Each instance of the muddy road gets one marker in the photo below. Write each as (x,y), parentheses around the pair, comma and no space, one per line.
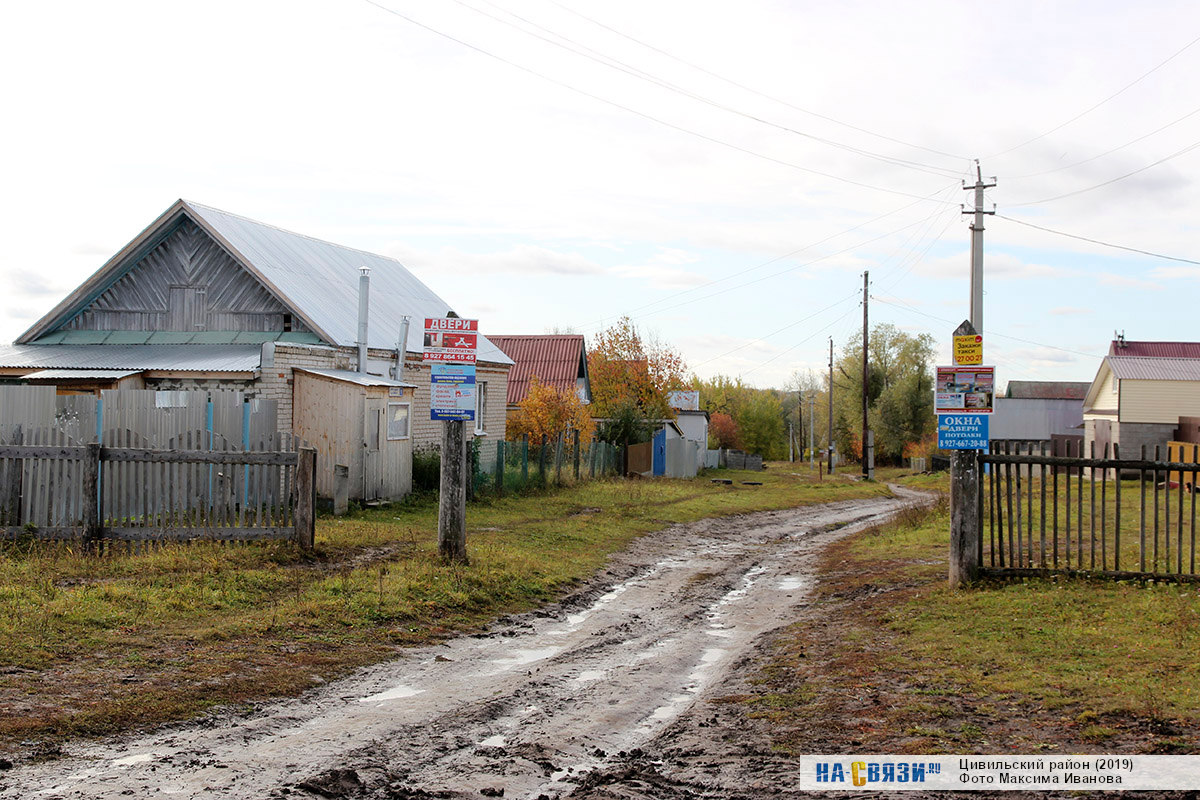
(561,702)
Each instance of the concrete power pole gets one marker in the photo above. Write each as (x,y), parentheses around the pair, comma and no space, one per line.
(866,470)
(964,466)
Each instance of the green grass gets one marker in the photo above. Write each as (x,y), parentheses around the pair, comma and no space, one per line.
(97,644)
(1078,664)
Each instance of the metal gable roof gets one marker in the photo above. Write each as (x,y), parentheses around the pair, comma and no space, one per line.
(1047,390)
(1122,347)
(555,359)
(317,280)
(1150,368)
(173,357)
(320,279)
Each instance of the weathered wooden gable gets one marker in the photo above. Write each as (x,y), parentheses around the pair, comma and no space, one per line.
(187,283)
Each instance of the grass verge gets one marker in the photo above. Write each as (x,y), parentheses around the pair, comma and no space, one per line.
(892,661)
(91,645)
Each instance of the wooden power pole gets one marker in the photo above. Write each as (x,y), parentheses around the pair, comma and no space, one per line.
(829,450)
(866,471)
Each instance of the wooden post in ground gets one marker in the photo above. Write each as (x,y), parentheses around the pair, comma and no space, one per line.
(575,445)
(964,517)
(452,500)
(92,532)
(304,517)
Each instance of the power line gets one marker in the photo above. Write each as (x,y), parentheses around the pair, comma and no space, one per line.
(1112,96)
(907,307)
(641,114)
(1097,241)
(755,91)
(1191,113)
(1176,154)
(633,312)
(613,63)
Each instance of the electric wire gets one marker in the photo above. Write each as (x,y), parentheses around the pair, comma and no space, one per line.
(600,58)
(782,353)
(1113,96)
(1176,154)
(642,114)
(633,313)
(1097,241)
(755,91)
(1130,143)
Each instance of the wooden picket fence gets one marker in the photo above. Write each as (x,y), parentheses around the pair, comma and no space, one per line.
(97,495)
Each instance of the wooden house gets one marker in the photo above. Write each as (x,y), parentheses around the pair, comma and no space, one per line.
(205,299)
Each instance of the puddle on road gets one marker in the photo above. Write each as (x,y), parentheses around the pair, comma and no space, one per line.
(395,693)
(712,654)
(792,583)
(129,761)
(591,675)
(493,741)
(520,658)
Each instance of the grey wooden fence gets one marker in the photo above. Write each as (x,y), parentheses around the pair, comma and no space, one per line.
(94,494)
(1131,518)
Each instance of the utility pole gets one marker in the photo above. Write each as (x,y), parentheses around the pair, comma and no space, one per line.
(964,465)
(866,471)
(800,420)
(812,429)
(829,451)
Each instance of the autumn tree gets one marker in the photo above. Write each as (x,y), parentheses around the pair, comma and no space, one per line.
(899,392)
(629,370)
(548,411)
(723,431)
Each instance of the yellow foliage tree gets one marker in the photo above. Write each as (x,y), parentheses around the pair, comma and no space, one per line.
(548,411)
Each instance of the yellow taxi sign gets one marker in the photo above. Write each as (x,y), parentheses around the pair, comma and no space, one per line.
(968,349)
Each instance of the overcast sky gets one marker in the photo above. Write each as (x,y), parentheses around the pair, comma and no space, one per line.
(721,172)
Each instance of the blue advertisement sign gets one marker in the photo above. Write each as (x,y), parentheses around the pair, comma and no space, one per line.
(452,392)
(963,431)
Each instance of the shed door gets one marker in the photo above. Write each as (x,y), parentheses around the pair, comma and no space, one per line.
(374,470)
(188,308)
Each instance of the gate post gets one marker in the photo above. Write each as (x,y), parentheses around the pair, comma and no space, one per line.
(306,489)
(92,531)
(965,519)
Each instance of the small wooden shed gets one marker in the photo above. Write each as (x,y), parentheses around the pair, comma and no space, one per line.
(363,422)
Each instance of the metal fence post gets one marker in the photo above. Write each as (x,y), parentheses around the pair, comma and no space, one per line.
(524,460)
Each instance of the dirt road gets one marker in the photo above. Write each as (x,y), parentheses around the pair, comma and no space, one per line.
(577,699)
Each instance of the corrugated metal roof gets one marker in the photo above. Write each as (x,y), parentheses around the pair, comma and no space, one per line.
(320,280)
(176,337)
(1155,349)
(1047,390)
(355,377)
(178,357)
(554,359)
(1150,368)
(80,374)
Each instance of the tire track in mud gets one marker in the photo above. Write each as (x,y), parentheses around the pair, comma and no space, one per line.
(543,705)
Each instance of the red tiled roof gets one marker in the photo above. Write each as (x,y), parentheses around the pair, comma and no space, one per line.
(1155,349)
(554,359)
(1047,390)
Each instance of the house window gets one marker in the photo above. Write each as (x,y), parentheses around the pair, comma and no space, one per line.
(397,421)
(481,407)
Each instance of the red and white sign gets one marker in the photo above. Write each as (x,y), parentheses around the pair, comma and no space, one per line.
(450,339)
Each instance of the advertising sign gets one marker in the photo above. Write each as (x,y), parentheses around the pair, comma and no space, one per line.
(964,390)
(962,431)
(968,350)
(452,392)
(684,400)
(451,340)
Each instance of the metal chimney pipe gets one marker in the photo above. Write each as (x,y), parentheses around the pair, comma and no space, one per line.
(364,303)
(401,348)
